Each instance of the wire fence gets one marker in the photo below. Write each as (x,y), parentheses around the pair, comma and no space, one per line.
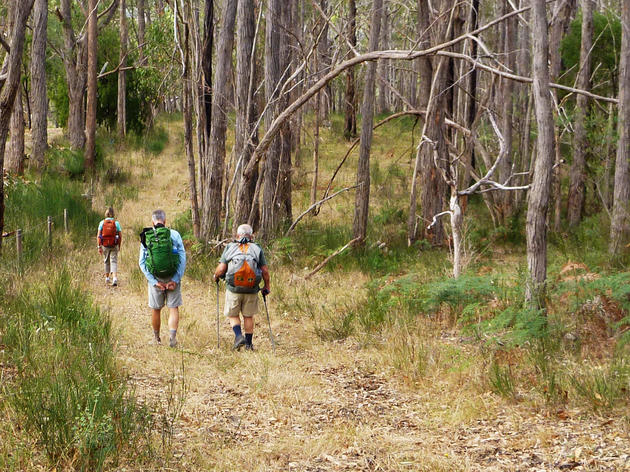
(60,220)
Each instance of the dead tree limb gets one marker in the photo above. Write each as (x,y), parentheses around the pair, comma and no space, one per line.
(325,199)
(325,261)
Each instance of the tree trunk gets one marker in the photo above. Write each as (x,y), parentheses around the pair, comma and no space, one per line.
(282,197)
(362,196)
(122,77)
(75,66)
(425,71)
(315,152)
(507,97)
(323,48)
(350,130)
(273,75)
(206,94)
(577,175)
(383,65)
(619,228)
(90,118)
(538,198)
(187,92)
(12,68)
(563,12)
(213,190)
(15,158)
(141,30)
(246,132)
(39,125)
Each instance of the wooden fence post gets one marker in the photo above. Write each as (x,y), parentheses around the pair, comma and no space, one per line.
(65,220)
(18,248)
(50,223)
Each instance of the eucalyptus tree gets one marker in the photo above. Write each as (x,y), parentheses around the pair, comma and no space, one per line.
(10,73)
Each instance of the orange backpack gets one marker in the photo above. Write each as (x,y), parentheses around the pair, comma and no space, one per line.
(109,233)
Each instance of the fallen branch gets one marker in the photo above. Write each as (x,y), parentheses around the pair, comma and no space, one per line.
(325,261)
(302,215)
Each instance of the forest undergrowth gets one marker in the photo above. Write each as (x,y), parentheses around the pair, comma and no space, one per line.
(384,362)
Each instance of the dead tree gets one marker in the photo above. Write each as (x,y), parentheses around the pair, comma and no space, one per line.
(620,222)
(39,96)
(538,197)
(9,83)
(362,195)
(482,184)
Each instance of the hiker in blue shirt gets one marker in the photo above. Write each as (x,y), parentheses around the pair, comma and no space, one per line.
(163,262)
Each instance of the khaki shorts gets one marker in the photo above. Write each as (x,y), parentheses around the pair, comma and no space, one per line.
(237,303)
(110,258)
(171,298)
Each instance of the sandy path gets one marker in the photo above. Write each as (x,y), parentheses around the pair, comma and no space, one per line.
(311,406)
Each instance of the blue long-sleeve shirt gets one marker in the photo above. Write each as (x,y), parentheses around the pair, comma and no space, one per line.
(178,247)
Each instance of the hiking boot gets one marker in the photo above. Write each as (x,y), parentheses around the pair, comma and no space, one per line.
(172,342)
(156,342)
(107,280)
(239,342)
(249,347)
(115,283)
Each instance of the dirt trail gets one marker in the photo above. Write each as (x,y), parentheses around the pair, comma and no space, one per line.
(312,406)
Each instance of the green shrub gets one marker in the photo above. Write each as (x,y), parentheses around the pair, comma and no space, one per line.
(501,380)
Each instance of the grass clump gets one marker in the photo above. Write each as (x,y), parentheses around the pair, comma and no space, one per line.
(68,391)
(153,141)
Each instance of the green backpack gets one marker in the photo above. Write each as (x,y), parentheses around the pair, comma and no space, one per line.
(161,261)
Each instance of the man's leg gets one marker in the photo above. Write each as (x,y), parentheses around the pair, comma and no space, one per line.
(239,339)
(106,260)
(155,322)
(173,324)
(248,325)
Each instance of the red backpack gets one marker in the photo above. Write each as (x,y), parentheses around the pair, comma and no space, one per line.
(109,233)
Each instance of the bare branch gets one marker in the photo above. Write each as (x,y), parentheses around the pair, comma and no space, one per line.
(435,218)
(407,55)
(5,45)
(520,78)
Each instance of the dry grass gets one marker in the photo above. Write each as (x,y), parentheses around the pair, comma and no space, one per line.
(406,397)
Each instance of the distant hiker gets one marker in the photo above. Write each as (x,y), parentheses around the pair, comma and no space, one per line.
(163,261)
(243,264)
(108,240)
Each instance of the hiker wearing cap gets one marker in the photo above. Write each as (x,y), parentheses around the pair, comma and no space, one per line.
(108,240)
(163,261)
(243,264)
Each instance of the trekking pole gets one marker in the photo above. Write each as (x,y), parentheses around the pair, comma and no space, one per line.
(273,343)
(218,338)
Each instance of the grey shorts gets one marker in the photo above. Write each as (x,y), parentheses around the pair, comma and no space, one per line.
(237,303)
(171,298)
